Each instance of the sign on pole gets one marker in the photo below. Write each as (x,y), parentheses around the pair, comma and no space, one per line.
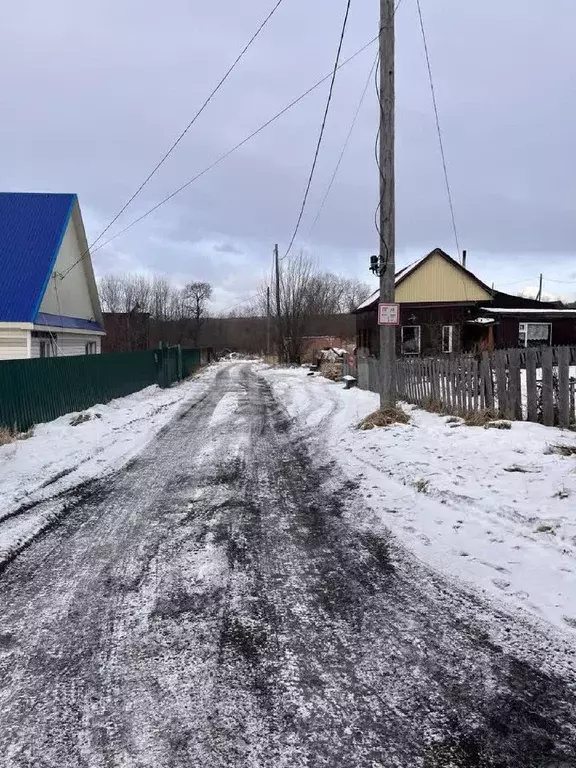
(388,314)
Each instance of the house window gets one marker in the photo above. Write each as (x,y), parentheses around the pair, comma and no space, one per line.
(447,338)
(45,343)
(535,335)
(410,339)
(45,349)
(91,348)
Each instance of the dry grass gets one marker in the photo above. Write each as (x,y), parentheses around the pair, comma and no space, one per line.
(562,450)
(479,418)
(332,371)
(384,418)
(433,406)
(6,436)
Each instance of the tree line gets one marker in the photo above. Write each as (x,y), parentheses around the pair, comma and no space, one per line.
(305,293)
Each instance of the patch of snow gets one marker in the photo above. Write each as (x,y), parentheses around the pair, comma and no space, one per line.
(36,472)
(493,508)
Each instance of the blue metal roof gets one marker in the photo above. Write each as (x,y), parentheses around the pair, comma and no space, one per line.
(70,323)
(32,226)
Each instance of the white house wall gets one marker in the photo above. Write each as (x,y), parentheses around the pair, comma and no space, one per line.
(69,297)
(67,344)
(14,343)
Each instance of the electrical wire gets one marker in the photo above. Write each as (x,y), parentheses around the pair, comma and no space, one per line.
(344,148)
(186,129)
(227,154)
(322,129)
(438,128)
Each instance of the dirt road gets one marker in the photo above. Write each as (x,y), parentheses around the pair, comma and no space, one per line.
(219,603)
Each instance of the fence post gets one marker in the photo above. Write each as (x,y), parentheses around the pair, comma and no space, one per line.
(564,387)
(547,387)
(487,382)
(515,388)
(531,385)
(500,372)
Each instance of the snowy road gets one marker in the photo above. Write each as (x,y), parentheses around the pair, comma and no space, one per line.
(218,603)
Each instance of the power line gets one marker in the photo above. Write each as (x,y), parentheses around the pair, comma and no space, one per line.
(186,129)
(440,140)
(344,148)
(322,129)
(227,154)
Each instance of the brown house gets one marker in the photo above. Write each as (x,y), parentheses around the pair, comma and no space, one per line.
(445,309)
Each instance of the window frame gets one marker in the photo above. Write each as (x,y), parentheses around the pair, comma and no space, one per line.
(450,349)
(418,336)
(91,348)
(523,334)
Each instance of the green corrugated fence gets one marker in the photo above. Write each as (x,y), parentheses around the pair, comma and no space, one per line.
(35,391)
(190,361)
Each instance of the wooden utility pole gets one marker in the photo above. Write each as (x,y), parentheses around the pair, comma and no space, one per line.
(539,297)
(268,321)
(388,389)
(278,312)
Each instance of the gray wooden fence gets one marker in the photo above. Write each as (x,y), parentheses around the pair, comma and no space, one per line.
(519,384)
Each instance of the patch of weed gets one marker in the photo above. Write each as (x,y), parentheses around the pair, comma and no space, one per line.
(386,417)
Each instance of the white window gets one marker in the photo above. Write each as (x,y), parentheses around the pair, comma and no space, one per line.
(535,334)
(447,338)
(410,339)
(90,347)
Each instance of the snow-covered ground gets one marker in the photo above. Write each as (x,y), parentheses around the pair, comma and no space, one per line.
(38,475)
(494,508)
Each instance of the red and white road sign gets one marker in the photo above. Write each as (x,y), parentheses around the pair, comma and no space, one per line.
(388,314)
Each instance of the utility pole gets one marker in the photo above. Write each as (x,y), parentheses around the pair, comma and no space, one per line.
(387,261)
(539,297)
(278,313)
(268,321)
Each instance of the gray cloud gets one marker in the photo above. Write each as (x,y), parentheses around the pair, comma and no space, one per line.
(93,94)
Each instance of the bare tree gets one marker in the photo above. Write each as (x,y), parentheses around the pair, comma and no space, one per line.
(111,292)
(197,295)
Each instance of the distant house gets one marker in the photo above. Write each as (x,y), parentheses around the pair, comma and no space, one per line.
(49,303)
(445,308)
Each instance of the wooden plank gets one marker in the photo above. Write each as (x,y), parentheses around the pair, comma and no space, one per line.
(514,386)
(475,385)
(572,401)
(487,384)
(564,387)
(531,385)
(450,386)
(547,387)
(458,383)
(435,382)
(468,406)
(442,382)
(500,376)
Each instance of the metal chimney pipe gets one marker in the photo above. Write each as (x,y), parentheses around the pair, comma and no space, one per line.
(464,259)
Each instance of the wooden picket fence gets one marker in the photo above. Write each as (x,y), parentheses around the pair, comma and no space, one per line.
(519,384)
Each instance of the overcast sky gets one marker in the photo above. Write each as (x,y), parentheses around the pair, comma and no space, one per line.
(92,94)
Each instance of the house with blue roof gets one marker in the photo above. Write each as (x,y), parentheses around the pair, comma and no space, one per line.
(49,304)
